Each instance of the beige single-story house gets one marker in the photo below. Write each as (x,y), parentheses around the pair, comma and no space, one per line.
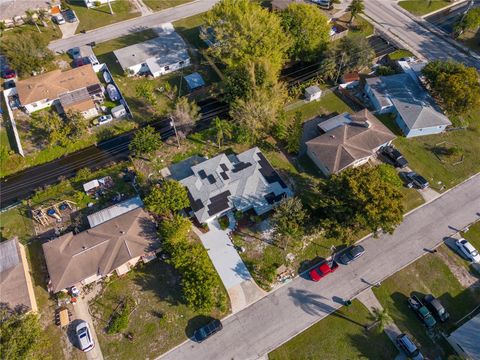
(351,140)
(75,89)
(16,289)
(114,246)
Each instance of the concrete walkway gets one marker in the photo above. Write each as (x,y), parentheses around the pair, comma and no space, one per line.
(429,194)
(142,8)
(82,313)
(369,299)
(235,276)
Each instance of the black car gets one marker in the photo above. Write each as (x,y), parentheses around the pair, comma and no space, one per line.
(394,156)
(409,347)
(417,180)
(207,330)
(351,254)
(436,307)
(69,16)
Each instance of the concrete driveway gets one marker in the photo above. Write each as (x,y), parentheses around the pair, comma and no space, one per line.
(235,276)
(82,313)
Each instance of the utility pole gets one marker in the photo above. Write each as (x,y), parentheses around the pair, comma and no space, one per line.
(110,6)
(340,68)
(175,129)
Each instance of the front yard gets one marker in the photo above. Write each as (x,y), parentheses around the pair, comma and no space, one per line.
(432,274)
(160,320)
(92,18)
(423,7)
(447,159)
(339,336)
(157,5)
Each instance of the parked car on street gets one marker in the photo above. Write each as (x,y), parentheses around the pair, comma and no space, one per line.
(394,156)
(84,336)
(468,250)
(323,270)
(104,119)
(422,312)
(58,19)
(418,181)
(208,330)
(351,254)
(409,347)
(436,307)
(70,16)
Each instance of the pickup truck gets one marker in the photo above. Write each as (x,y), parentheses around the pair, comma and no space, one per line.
(394,156)
(422,312)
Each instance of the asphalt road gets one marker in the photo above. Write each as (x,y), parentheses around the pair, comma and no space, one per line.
(276,318)
(401,26)
(133,25)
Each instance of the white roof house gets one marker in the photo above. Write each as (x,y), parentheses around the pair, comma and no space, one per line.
(114,211)
(161,55)
(232,182)
(466,339)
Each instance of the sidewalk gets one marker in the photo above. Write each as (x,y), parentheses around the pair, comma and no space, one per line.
(369,299)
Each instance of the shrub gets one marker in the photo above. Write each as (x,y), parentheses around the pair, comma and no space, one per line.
(120,320)
(224,222)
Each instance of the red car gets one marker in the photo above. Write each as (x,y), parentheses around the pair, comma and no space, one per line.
(9,74)
(323,270)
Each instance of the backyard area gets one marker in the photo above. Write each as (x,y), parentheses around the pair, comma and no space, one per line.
(342,336)
(432,274)
(359,25)
(92,18)
(159,321)
(423,7)
(142,111)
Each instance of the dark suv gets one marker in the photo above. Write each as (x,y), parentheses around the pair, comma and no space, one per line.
(394,156)
(436,307)
(422,312)
(417,180)
(207,330)
(409,347)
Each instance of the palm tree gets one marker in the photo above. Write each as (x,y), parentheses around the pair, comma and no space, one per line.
(31,20)
(356,7)
(42,16)
(223,129)
(382,318)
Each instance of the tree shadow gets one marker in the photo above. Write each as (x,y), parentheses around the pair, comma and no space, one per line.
(308,265)
(162,279)
(196,323)
(373,345)
(241,270)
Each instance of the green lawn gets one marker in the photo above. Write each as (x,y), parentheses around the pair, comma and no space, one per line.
(428,275)
(471,39)
(100,16)
(16,222)
(339,336)
(52,32)
(328,104)
(157,5)
(189,28)
(160,320)
(473,235)
(442,171)
(412,199)
(398,54)
(422,7)
(359,26)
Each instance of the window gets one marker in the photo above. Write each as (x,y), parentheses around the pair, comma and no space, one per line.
(182,62)
(167,68)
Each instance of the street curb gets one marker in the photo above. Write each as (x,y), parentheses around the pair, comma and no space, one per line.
(443,9)
(132,20)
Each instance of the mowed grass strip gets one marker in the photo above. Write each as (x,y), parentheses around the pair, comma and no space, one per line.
(422,7)
(157,5)
(341,336)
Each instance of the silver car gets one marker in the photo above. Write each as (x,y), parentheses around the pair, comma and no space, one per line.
(84,337)
(468,250)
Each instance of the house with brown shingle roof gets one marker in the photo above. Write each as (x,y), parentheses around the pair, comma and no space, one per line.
(115,245)
(72,89)
(16,288)
(354,140)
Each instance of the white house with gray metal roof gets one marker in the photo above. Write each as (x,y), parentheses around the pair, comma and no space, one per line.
(417,113)
(231,183)
(158,56)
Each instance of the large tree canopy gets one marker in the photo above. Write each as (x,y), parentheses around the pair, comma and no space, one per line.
(19,335)
(288,221)
(146,140)
(359,198)
(456,85)
(168,197)
(309,29)
(26,52)
(246,32)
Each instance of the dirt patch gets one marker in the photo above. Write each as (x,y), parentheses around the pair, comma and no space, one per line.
(461,273)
